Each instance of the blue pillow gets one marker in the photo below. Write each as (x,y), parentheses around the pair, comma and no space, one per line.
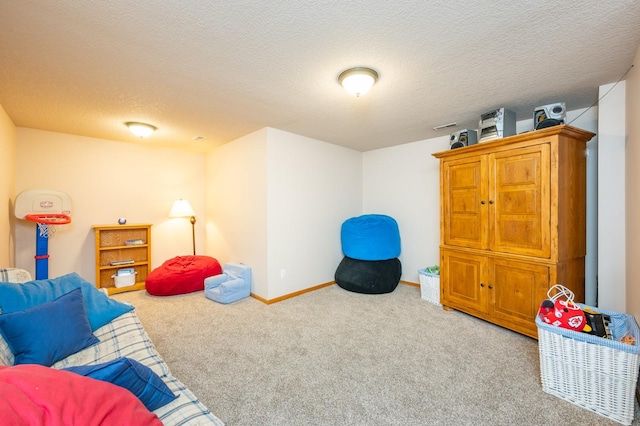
(100,309)
(130,374)
(48,332)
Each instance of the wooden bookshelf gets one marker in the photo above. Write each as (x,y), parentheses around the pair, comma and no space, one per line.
(130,244)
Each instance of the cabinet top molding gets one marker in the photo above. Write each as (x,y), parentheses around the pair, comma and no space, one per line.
(563,130)
(126,226)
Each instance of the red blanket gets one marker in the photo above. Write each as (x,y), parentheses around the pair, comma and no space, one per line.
(37,395)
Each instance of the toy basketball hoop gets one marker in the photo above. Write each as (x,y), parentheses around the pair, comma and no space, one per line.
(48,209)
(47,222)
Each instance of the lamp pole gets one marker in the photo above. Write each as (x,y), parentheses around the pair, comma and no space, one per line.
(193,232)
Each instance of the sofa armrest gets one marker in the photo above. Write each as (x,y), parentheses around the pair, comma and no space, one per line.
(15,275)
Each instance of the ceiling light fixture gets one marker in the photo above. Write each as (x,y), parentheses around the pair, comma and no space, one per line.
(141,130)
(358,80)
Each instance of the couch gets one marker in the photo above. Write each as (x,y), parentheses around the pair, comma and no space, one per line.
(59,392)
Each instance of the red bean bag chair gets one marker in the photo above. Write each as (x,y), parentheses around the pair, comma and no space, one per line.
(182,274)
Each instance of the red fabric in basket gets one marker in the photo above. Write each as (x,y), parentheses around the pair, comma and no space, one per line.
(182,274)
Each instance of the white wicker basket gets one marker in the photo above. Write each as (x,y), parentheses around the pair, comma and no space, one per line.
(429,286)
(592,372)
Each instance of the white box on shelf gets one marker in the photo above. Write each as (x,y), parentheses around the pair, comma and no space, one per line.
(124,280)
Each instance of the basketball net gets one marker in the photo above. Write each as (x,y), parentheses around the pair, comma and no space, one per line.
(46,230)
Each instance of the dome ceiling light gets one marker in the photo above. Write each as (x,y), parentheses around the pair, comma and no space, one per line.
(141,130)
(358,80)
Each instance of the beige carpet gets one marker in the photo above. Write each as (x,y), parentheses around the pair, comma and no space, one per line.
(333,357)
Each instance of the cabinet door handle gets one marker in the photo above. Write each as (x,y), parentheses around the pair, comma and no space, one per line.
(482,202)
(481,284)
(490,201)
(490,286)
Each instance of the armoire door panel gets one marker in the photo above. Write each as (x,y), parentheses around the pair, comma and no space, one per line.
(520,201)
(464,214)
(461,282)
(516,290)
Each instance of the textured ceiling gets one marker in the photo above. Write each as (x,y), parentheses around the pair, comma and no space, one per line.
(221,70)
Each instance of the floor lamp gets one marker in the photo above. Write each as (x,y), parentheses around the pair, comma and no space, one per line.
(182,208)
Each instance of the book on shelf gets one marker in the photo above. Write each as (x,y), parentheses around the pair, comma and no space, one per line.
(134,242)
(121,262)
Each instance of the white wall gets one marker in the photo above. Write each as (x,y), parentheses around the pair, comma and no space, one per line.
(276,201)
(611,190)
(313,187)
(404,182)
(236,204)
(107,180)
(7,188)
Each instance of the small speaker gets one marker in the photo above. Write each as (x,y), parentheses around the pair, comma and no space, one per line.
(549,115)
(462,138)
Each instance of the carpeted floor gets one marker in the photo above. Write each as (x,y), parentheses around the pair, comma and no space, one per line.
(332,357)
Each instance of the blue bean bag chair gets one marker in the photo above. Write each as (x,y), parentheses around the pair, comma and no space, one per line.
(370,237)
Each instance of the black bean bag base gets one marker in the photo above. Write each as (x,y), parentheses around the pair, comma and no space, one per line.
(368,276)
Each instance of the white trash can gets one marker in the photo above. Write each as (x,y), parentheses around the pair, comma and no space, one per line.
(430,285)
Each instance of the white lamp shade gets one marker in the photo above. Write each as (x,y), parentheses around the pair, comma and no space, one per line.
(181,208)
(358,81)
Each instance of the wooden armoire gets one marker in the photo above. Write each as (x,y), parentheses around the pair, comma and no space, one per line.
(513,224)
